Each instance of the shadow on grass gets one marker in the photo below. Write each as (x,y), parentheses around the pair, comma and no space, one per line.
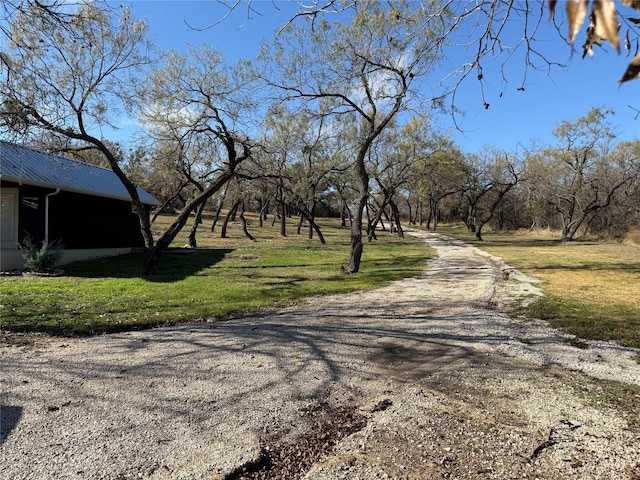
(28,326)
(175,265)
(622,266)
(529,243)
(614,322)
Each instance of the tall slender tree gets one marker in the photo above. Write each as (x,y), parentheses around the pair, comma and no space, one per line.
(361,72)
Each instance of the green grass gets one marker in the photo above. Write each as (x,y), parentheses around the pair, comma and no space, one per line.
(605,394)
(592,288)
(223,277)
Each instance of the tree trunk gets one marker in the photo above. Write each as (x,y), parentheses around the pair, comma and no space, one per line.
(151,260)
(154,252)
(300,222)
(433,208)
(153,255)
(396,217)
(316,227)
(194,229)
(372,224)
(470,219)
(218,211)
(436,216)
(355,255)
(569,231)
(283,218)
(412,221)
(244,225)
(343,216)
(308,216)
(501,220)
(264,207)
(230,214)
(312,218)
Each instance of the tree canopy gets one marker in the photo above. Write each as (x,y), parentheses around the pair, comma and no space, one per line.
(335,114)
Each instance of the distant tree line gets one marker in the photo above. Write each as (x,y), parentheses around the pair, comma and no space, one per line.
(332,118)
(587,183)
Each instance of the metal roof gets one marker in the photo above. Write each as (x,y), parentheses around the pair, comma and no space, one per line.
(27,166)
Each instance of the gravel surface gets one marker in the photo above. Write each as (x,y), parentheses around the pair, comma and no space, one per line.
(467,392)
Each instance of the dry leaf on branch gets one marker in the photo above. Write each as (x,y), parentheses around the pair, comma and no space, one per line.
(592,38)
(576,12)
(632,3)
(552,8)
(633,70)
(603,25)
(606,21)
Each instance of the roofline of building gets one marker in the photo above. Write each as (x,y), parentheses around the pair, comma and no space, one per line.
(35,183)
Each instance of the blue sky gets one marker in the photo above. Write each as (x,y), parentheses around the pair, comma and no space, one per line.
(515,118)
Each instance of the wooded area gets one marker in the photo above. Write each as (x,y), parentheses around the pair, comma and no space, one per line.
(331,119)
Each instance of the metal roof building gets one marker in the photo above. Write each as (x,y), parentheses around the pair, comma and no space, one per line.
(50,197)
(27,166)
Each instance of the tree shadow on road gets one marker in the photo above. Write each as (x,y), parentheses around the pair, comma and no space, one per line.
(9,418)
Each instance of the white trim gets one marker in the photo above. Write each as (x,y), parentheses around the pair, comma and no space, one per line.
(78,255)
(12,259)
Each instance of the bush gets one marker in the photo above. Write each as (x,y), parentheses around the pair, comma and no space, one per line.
(41,259)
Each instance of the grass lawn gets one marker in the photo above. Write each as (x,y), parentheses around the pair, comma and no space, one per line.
(221,278)
(592,288)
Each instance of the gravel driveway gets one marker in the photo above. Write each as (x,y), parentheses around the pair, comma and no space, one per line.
(467,391)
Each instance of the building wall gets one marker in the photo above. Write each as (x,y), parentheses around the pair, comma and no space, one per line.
(12,259)
(31,212)
(81,222)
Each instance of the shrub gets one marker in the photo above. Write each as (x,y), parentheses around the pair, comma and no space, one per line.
(41,259)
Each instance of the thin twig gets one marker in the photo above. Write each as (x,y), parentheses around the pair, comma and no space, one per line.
(546,443)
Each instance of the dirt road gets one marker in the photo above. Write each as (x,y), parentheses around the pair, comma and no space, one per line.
(449,386)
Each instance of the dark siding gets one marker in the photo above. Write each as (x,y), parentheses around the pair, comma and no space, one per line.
(83,221)
(80,221)
(30,211)
(31,219)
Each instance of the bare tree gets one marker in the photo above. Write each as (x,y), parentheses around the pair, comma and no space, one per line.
(504,174)
(198,104)
(360,73)
(587,178)
(72,75)
(392,166)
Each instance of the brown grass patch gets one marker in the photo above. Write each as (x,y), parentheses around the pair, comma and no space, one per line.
(590,286)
